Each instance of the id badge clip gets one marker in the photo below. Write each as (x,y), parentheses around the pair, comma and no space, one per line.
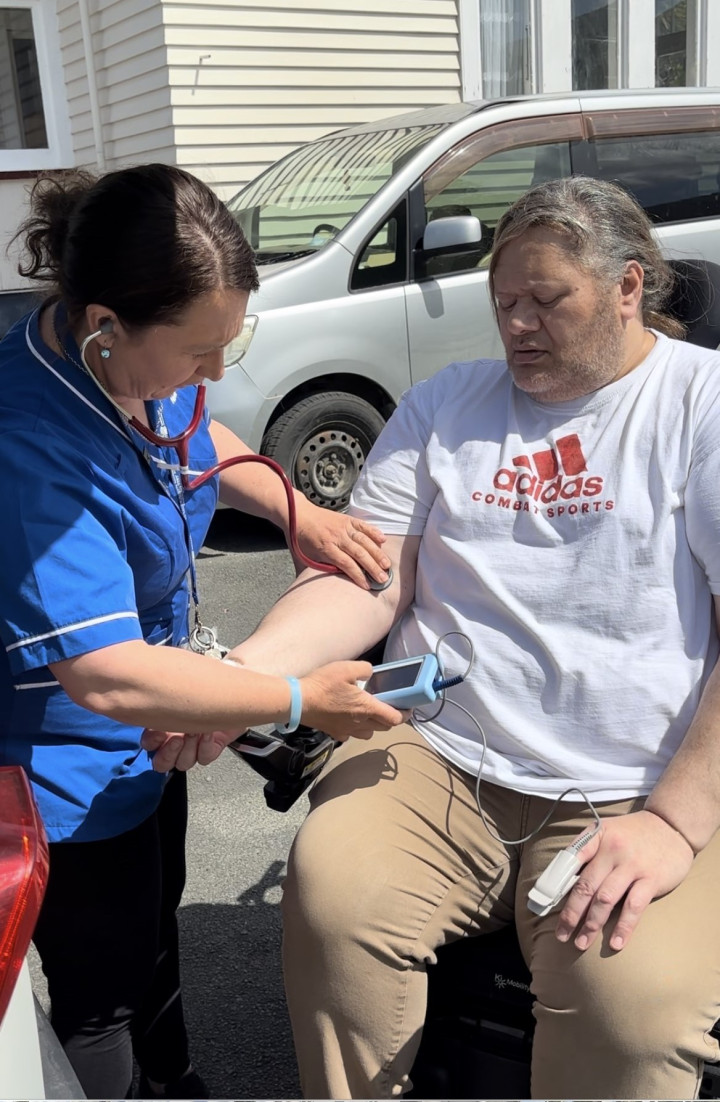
(204,640)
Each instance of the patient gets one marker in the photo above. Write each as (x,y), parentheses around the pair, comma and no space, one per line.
(554,525)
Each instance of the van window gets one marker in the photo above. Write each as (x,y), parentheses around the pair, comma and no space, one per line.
(383,259)
(304,200)
(486,189)
(675,177)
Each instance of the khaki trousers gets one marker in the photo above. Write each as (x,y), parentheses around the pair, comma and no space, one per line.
(394,861)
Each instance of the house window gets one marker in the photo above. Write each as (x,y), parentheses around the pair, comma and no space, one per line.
(34,124)
(594,44)
(675,43)
(505,48)
(22,118)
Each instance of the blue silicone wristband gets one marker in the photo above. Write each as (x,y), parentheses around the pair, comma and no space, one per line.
(295,708)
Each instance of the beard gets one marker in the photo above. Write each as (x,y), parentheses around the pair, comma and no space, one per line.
(590,359)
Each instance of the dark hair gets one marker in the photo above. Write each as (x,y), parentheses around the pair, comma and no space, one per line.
(605,228)
(145,241)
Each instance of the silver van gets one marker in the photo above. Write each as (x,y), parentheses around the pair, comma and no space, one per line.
(373,245)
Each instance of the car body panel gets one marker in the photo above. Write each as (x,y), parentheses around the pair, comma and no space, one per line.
(450,319)
(33,1063)
(21,1074)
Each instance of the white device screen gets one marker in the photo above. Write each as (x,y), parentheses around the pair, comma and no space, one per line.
(398,677)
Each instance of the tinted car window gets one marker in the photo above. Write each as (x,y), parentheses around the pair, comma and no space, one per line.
(676,177)
(486,189)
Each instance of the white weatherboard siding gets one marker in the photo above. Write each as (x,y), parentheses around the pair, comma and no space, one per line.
(226,87)
(129,73)
(251,81)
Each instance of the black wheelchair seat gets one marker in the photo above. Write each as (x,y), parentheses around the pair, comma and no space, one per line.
(479,1025)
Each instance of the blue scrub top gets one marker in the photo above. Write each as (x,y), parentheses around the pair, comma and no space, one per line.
(94,550)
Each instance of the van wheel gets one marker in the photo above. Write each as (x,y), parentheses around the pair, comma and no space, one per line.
(322,443)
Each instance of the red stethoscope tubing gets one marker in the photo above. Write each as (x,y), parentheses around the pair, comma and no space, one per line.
(181,445)
(181,440)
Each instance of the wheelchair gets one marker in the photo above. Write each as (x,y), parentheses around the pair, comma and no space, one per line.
(479,1025)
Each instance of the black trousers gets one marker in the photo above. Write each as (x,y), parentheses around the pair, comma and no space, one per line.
(107,937)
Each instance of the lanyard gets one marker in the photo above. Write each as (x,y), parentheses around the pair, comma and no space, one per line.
(199,637)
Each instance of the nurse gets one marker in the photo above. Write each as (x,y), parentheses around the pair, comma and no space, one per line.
(149,277)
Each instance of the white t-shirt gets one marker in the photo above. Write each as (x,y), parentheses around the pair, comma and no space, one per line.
(577,545)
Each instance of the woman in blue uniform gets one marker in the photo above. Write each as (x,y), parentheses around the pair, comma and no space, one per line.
(150,277)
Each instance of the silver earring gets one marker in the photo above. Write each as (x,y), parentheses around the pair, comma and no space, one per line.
(105,353)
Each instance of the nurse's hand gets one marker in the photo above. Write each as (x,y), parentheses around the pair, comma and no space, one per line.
(351,544)
(331,702)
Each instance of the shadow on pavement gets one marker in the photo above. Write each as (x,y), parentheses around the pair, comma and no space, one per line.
(233,531)
(240,1036)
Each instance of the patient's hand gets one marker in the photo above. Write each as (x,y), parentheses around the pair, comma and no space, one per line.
(634,859)
(174,750)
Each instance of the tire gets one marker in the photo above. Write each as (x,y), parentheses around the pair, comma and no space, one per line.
(322,443)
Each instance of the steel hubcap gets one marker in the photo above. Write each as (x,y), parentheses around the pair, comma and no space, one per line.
(328,464)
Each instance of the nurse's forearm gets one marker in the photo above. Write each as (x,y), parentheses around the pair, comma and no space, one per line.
(171,689)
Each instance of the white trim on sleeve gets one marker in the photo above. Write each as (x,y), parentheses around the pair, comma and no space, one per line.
(72,627)
(36,685)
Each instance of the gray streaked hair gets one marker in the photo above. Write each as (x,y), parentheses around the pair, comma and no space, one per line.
(604,228)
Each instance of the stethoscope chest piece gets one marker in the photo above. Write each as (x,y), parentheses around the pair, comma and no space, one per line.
(377,587)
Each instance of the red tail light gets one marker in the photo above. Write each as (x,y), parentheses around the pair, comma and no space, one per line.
(23,874)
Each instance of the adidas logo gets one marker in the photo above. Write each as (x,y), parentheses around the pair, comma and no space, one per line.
(549,477)
(554,474)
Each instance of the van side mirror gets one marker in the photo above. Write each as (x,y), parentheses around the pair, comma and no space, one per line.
(462,236)
(451,234)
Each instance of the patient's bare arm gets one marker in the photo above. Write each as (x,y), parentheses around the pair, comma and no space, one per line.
(324,617)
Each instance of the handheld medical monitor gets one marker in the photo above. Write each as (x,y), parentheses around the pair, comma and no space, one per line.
(407,683)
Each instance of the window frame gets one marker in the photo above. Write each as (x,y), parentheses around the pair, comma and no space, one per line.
(58,153)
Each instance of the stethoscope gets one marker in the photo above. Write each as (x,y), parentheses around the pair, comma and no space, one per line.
(192,480)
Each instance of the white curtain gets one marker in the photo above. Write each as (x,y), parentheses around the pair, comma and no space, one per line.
(505,47)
